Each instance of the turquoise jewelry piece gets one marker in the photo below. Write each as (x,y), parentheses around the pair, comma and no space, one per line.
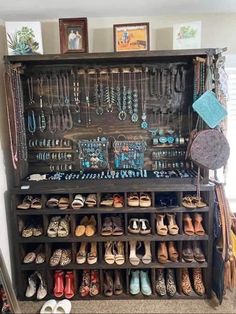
(122,114)
(31,122)
(134,116)
(144,124)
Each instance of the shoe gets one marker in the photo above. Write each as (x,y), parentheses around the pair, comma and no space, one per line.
(29,258)
(172,252)
(117,226)
(144,226)
(133,200)
(197,252)
(109,257)
(188,225)
(66,257)
(69,286)
(162,255)
(63,306)
(92,256)
(55,258)
(108,283)
(64,227)
(185,282)
(42,289)
(32,285)
(53,226)
(161,228)
(147,257)
(198,228)
(133,258)
(118,287)
(134,226)
(187,252)
(94,283)
(85,285)
(80,229)
(82,254)
(118,249)
(134,287)
(198,281)
(172,225)
(107,227)
(118,201)
(145,200)
(160,283)
(91,200)
(90,229)
(170,282)
(48,307)
(145,283)
(58,283)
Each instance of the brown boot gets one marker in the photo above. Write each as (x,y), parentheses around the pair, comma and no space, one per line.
(185,283)
(198,282)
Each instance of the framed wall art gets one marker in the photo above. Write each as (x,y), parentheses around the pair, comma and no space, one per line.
(131,37)
(24,38)
(73,35)
(187,35)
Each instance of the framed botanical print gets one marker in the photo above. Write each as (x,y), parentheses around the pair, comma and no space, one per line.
(131,37)
(73,35)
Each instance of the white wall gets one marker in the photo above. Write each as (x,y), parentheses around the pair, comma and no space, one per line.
(217,31)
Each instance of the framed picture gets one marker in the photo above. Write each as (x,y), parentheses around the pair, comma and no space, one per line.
(24,38)
(73,35)
(187,35)
(131,37)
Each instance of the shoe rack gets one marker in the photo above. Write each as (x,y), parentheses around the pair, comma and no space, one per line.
(51,141)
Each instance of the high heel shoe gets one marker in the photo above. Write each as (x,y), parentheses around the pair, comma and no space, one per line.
(170,282)
(188,225)
(161,228)
(92,256)
(172,225)
(185,282)
(118,287)
(81,255)
(147,257)
(198,281)
(172,252)
(133,258)
(109,256)
(58,283)
(119,253)
(94,283)
(85,284)
(160,283)
(108,283)
(69,287)
(162,254)
(198,228)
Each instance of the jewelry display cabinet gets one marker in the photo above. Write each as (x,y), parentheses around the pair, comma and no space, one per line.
(104,198)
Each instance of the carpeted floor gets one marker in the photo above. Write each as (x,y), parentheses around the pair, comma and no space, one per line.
(144,306)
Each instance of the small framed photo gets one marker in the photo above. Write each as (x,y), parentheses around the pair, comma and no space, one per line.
(73,35)
(131,37)
(187,35)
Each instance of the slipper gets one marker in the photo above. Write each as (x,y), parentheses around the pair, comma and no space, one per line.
(36,203)
(49,307)
(118,201)
(52,202)
(107,200)
(63,307)
(145,200)
(78,201)
(26,203)
(91,200)
(133,200)
(63,203)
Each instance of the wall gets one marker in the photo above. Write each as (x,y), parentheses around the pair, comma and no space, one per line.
(217,31)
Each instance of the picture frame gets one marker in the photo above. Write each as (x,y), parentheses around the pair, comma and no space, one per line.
(187,35)
(131,37)
(73,35)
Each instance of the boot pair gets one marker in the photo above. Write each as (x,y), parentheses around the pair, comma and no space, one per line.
(140,282)
(112,283)
(165,283)
(197,282)
(64,284)
(34,280)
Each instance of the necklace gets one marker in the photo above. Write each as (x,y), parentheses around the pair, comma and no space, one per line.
(98,89)
(118,94)
(107,95)
(66,111)
(76,92)
(41,117)
(112,91)
(144,124)
(134,117)
(86,89)
(60,117)
(51,117)
(122,113)
(31,122)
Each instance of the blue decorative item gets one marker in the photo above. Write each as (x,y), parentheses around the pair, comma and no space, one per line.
(210,109)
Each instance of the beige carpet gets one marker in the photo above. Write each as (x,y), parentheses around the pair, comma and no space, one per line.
(144,306)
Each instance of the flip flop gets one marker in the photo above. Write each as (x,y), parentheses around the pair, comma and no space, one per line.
(62,307)
(78,201)
(91,200)
(49,307)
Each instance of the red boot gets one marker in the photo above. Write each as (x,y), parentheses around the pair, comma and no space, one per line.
(58,283)
(69,288)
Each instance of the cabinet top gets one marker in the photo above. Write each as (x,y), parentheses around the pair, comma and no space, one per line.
(59,58)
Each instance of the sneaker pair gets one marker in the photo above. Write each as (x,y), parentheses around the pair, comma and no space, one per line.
(33,281)
(140,281)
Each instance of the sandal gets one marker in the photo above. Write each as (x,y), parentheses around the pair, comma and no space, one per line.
(187,252)
(107,227)
(162,254)
(198,281)
(78,201)
(172,252)
(188,202)
(92,256)
(133,200)
(133,258)
(36,203)
(55,258)
(144,226)
(198,228)
(145,200)
(109,256)
(161,228)
(81,228)
(198,202)
(85,285)
(81,255)
(53,226)
(160,283)
(64,227)
(66,257)
(118,288)
(94,283)
(107,200)
(52,202)
(134,225)
(118,201)
(26,203)
(91,200)
(188,225)
(118,228)
(172,226)
(147,257)
(197,253)
(185,282)
(119,253)
(63,203)
(108,284)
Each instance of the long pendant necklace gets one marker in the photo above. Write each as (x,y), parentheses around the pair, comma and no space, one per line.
(51,117)
(60,116)
(41,117)
(118,94)
(112,92)
(107,95)
(98,94)
(76,92)
(31,121)
(144,124)
(67,111)
(122,113)
(134,117)
(87,101)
